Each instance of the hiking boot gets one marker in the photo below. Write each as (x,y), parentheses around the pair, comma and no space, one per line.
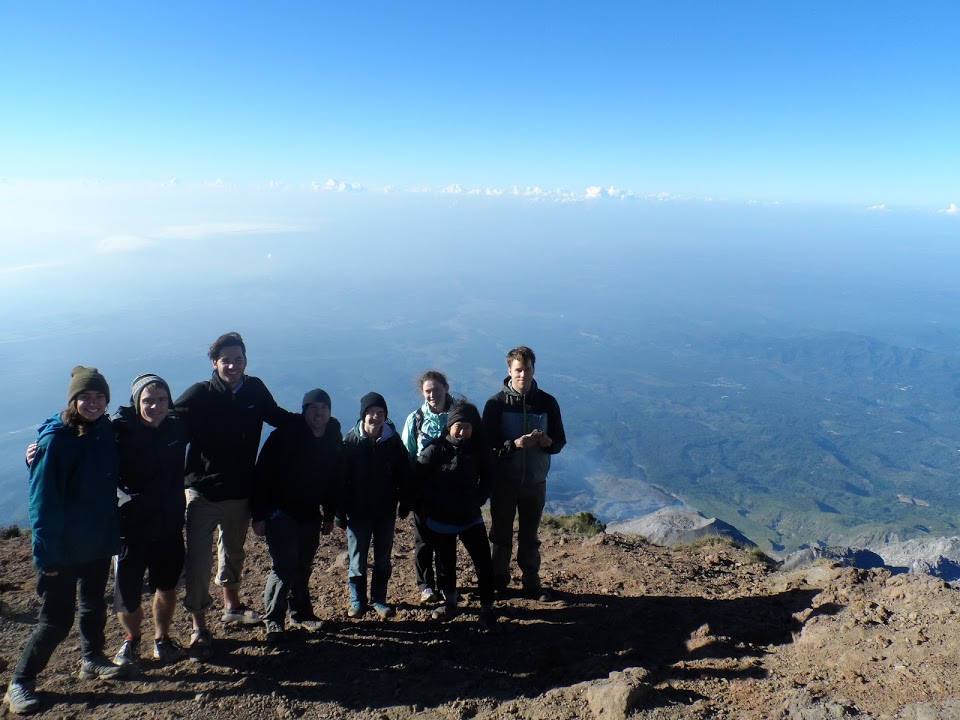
(100,667)
(201,645)
(427,595)
(487,619)
(356,610)
(274,632)
(383,610)
(444,613)
(129,653)
(536,592)
(168,650)
(310,624)
(21,698)
(242,614)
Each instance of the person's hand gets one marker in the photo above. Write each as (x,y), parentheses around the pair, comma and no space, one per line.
(528,441)
(259,528)
(31,453)
(326,528)
(545,441)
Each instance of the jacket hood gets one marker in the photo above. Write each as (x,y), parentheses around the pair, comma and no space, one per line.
(388,431)
(50,426)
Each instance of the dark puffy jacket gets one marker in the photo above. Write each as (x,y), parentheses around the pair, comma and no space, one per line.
(151,476)
(453,480)
(224,428)
(509,415)
(377,475)
(298,473)
(73,495)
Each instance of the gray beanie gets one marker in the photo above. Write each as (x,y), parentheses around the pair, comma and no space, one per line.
(316,396)
(141,381)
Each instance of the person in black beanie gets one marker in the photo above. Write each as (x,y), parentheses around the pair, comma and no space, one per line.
(375,493)
(294,501)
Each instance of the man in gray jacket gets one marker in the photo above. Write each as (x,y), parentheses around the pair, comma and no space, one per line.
(523,428)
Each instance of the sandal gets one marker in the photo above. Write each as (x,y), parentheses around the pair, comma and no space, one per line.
(201,645)
(242,614)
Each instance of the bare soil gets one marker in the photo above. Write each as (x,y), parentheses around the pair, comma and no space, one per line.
(710,634)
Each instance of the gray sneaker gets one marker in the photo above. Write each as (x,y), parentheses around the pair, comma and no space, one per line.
(167,650)
(128,654)
(383,610)
(21,698)
(309,624)
(101,667)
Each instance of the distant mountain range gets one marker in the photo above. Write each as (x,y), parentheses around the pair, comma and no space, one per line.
(832,438)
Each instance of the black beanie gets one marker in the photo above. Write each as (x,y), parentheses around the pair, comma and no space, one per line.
(316,396)
(86,378)
(141,381)
(463,412)
(370,399)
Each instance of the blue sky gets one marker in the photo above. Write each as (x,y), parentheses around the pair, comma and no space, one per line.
(821,103)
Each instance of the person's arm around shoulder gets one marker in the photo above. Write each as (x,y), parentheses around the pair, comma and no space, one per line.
(271,413)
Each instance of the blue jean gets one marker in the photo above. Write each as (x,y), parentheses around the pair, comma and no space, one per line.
(292,545)
(58,595)
(360,533)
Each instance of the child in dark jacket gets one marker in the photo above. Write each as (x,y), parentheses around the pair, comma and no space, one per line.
(453,478)
(376,492)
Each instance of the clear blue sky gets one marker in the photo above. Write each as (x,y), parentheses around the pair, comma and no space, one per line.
(817,102)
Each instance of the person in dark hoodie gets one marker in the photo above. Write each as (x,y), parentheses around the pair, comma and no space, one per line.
(453,479)
(151,444)
(376,492)
(224,418)
(295,500)
(524,429)
(73,514)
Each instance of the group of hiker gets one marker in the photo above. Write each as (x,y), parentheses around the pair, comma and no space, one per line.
(149,487)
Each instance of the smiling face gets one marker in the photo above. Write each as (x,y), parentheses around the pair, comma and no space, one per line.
(435,394)
(317,415)
(521,376)
(461,430)
(231,365)
(154,405)
(90,404)
(373,419)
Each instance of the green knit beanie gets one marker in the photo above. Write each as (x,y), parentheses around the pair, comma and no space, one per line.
(86,378)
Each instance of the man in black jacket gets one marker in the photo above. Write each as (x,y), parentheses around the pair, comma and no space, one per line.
(294,500)
(225,417)
(524,429)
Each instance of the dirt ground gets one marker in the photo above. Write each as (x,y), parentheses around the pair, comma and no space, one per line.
(697,633)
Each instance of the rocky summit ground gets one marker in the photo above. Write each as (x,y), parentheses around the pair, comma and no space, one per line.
(635,630)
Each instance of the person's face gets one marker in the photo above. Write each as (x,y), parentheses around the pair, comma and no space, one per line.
(230,365)
(154,405)
(521,376)
(461,430)
(91,404)
(373,418)
(317,415)
(435,394)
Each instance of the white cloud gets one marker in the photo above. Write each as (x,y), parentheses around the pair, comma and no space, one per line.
(13,269)
(453,189)
(880,208)
(593,192)
(332,185)
(200,231)
(954,209)
(122,243)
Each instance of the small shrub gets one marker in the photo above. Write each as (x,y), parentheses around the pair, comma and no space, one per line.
(582,523)
(11,531)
